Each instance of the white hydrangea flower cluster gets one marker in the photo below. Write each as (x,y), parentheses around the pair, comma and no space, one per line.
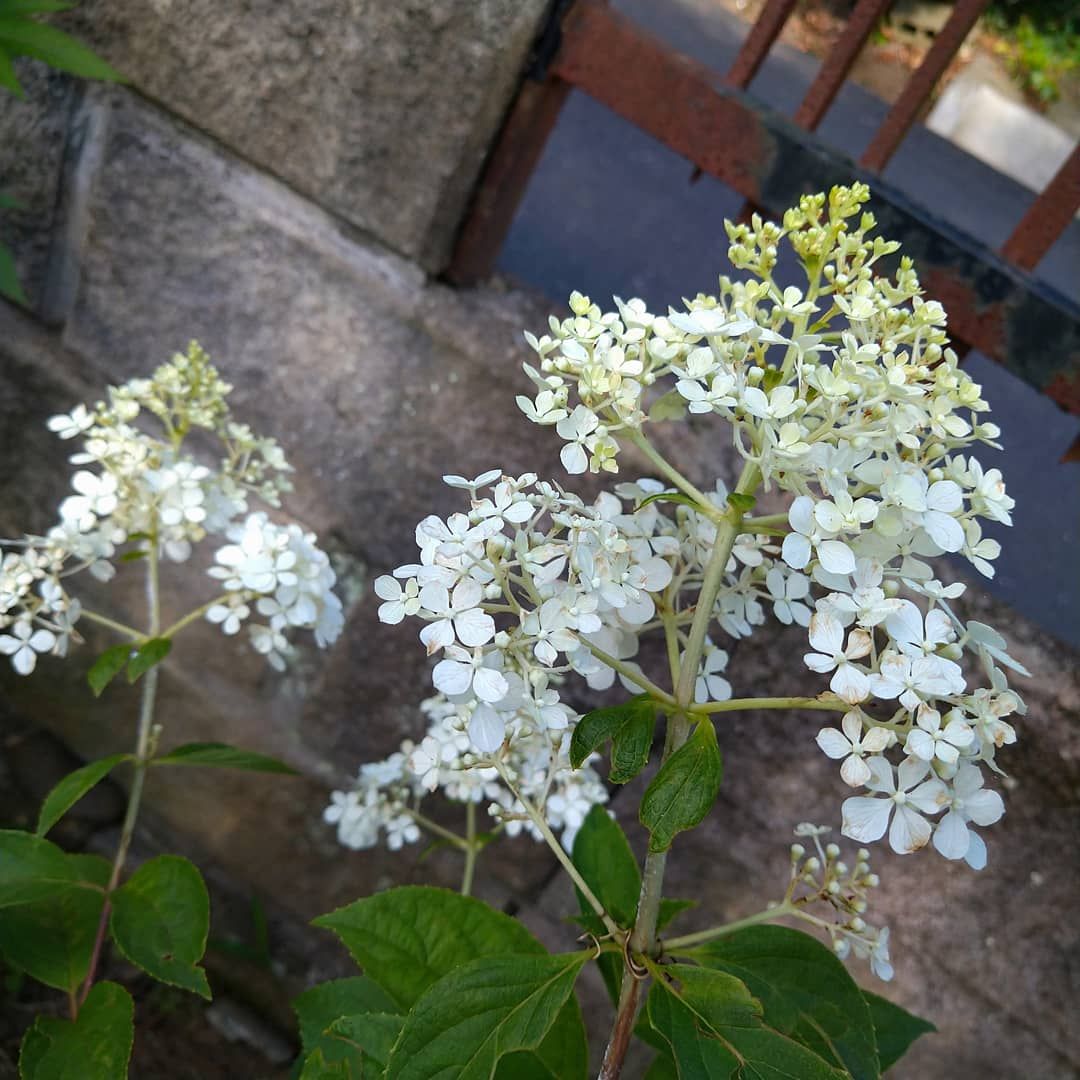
(387,796)
(138,490)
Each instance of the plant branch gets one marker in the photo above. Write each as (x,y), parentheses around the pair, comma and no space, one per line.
(112,624)
(471,850)
(687,941)
(705,504)
(632,674)
(739,704)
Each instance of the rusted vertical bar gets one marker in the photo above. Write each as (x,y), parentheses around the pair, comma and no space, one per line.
(1047,217)
(921,84)
(755,48)
(506,176)
(839,61)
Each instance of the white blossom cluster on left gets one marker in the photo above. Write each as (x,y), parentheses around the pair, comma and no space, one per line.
(141,492)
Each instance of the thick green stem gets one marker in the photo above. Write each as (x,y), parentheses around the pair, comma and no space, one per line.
(740,704)
(144,749)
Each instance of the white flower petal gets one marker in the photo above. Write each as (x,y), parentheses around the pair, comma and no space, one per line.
(865,818)
(951,837)
(909,831)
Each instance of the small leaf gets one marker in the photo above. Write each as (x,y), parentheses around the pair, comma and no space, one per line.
(134,556)
(96,1046)
(33,869)
(316,1067)
(631,744)
(72,788)
(493,1006)
(149,655)
(319,1007)
(740,502)
(53,938)
(9,275)
(222,756)
(805,990)
(684,789)
(160,919)
(107,666)
(670,909)
(669,496)
(24,37)
(669,406)
(597,727)
(603,857)
(896,1029)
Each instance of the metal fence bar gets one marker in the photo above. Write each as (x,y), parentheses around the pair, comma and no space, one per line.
(517,152)
(839,61)
(1047,217)
(759,41)
(921,84)
(993,306)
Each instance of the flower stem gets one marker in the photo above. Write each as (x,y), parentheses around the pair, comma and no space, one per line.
(705,504)
(631,674)
(559,851)
(436,829)
(643,936)
(471,851)
(738,704)
(112,624)
(190,617)
(687,941)
(144,748)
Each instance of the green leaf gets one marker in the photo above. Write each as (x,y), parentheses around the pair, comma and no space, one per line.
(715,1029)
(597,727)
(9,202)
(53,938)
(317,1008)
(160,919)
(563,1055)
(9,80)
(684,789)
(221,756)
(96,1046)
(410,937)
(33,869)
(805,990)
(493,1006)
(671,909)
(9,275)
(896,1028)
(148,655)
(354,1046)
(72,788)
(316,1067)
(741,502)
(107,666)
(602,855)
(662,1068)
(669,406)
(32,7)
(24,37)
(631,744)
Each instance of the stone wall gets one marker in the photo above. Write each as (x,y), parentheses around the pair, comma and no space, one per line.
(280,183)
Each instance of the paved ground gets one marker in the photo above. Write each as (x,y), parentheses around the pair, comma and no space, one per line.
(612,211)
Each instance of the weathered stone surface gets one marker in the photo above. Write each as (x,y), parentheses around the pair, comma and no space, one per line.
(380,112)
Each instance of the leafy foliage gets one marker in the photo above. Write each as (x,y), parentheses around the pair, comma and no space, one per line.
(895,1028)
(629,726)
(222,756)
(72,788)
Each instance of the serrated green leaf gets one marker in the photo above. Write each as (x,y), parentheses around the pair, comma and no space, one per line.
(160,919)
(72,788)
(895,1028)
(316,1009)
(148,655)
(33,869)
(107,666)
(96,1046)
(597,727)
(410,937)
(221,756)
(684,789)
(715,1029)
(669,496)
(463,1024)
(603,857)
(53,938)
(354,1046)
(24,37)
(805,990)
(741,502)
(631,745)
(10,285)
(669,406)
(563,1054)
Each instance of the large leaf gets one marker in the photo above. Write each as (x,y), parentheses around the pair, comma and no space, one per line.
(603,857)
(160,919)
(895,1027)
(222,756)
(684,789)
(72,788)
(493,1006)
(319,1007)
(726,1035)
(805,990)
(353,1047)
(33,869)
(96,1046)
(629,726)
(24,37)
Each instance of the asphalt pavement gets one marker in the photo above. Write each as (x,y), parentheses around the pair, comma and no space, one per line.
(612,211)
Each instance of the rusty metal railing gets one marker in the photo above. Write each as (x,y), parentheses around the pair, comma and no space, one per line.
(994,303)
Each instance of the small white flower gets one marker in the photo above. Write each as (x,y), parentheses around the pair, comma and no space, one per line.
(462,672)
(23,645)
(810,537)
(867,817)
(827,636)
(399,601)
(457,616)
(929,740)
(787,592)
(577,429)
(970,802)
(851,745)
